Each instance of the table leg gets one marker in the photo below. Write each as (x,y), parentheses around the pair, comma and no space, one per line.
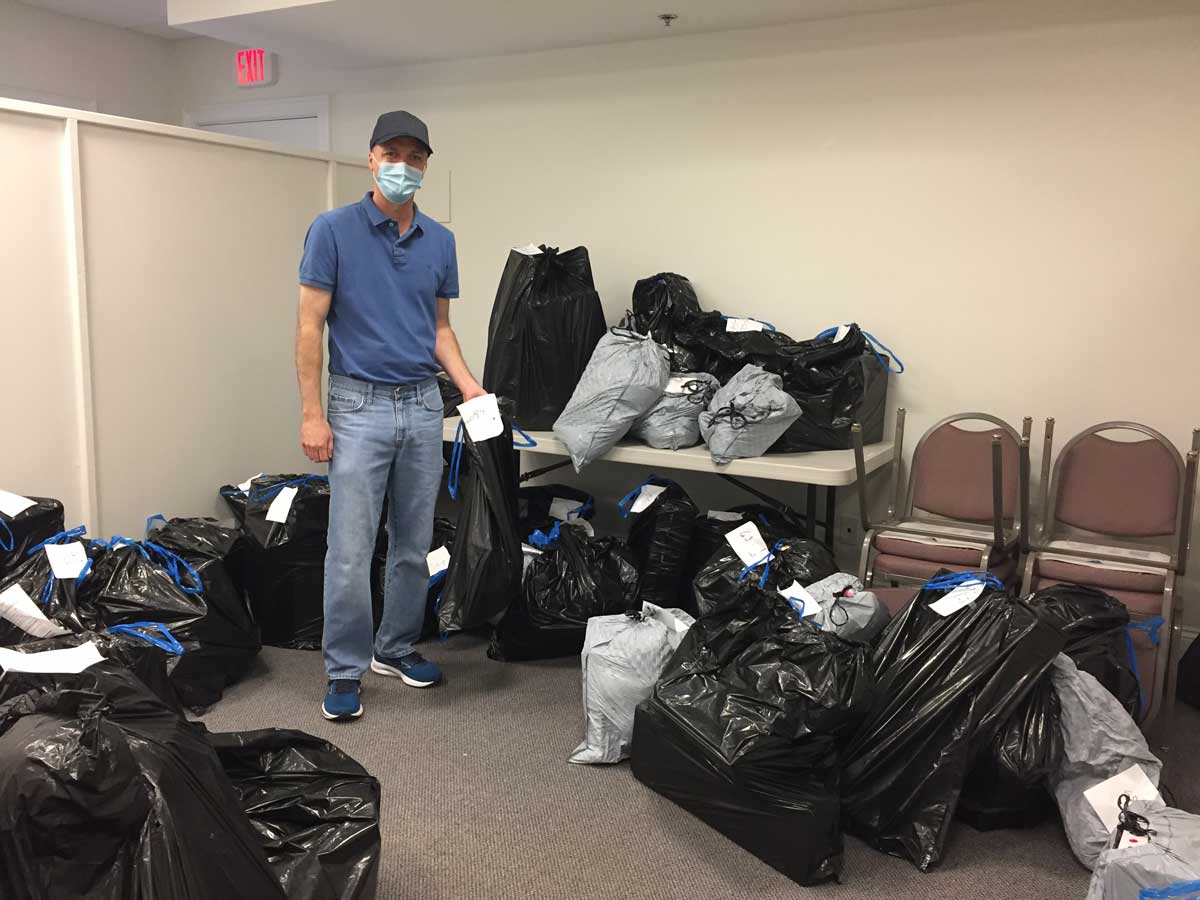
(830,514)
(810,510)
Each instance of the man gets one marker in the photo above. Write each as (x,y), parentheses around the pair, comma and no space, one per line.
(382,274)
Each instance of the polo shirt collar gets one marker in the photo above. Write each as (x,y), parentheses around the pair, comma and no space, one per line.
(377,217)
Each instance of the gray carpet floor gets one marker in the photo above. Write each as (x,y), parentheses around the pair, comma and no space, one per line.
(479,801)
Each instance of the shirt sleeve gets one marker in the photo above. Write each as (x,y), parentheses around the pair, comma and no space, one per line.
(448,289)
(319,264)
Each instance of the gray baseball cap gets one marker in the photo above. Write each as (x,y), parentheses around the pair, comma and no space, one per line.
(400,124)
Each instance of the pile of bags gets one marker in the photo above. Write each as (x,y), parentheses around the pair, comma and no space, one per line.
(108,792)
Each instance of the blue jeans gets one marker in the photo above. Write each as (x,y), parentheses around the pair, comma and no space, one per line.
(387,440)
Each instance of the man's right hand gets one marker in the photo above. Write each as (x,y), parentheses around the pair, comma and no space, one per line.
(316,437)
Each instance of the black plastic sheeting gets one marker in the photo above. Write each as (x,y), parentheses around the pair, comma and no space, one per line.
(57,599)
(206,612)
(1188,689)
(835,383)
(1094,624)
(575,578)
(108,793)
(744,726)
(444,533)
(316,811)
(28,529)
(545,323)
(484,576)
(658,538)
(284,564)
(946,684)
(1006,787)
(663,304)
(724,581)
(534,502)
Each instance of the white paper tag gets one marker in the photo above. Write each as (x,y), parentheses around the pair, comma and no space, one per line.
(66,560)
(282,504)
(677,384)
(244,487)
(437,560)
(12,505)
(17,607)
(747,543)
(963,595)
(802,601)
(840,334)
(1103,797)
(647,495)
(51,662)
(530,550)
(564,509)
(722,515)
(1129,839)
(743,325)
(529,249)
(481,418)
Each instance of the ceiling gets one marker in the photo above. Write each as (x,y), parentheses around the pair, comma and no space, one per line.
(386,32)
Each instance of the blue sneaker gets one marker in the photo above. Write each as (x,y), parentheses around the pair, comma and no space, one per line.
(413,669)
(341,700)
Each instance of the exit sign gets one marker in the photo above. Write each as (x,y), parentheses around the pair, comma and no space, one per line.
(255,67)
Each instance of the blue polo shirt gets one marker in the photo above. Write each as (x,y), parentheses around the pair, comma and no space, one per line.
(383,316)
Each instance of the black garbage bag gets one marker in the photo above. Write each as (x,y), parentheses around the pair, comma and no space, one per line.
(539,505)
(659,538)
(109,794)
(1094,624)
(546,321)
(946,683)
(724,353)
(726,579)
(575,578)
(28,529)
(662,304)
(443,536)
(315,809)
(55,601)
(744,726)
(133,584)
(283,567)
(1006,788)
(484,576)
(1189,675)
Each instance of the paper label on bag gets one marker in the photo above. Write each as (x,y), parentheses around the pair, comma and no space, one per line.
(438,560)
(1103,796)
(530,550)
(647,495)
(722,515)
(529,249)
(747,543)
(677,384)
(963,595)
(282,505)
(481,418)
(51,662)
(565,509)
(802,601)
(244,487)
(743,325)
(66,560)
(1129,839)
(840,334)
(17,607)
(12,505)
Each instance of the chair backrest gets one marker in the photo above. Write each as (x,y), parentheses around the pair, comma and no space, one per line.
(951,471)
(1129,489)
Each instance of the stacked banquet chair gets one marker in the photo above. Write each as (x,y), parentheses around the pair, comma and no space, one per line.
(1116,516)
(966,508)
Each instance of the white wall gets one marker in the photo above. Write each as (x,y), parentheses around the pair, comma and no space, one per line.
(50,58)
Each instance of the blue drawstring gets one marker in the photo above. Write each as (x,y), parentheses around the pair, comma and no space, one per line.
(174,565)
(529,442)
(625,504)
(766,325)
(437,578)
(1184,890)
(541,539)
(1150,627)
(455,462)
(268,493)
(61,538)
(956,579)
(762,580)
(872,343)
(157,516)
(167,642)
(7,546)
(582,509)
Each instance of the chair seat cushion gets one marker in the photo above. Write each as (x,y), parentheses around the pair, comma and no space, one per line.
(887,564)
(1107,578)
(892,543)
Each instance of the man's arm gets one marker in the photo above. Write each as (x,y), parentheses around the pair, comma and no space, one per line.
(449,354)
(315,435)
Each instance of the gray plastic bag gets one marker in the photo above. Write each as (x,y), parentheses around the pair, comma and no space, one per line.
(625,376)
(1100,740)
(623,658)
(747,415)
(1169,856)
(674,421)
(858,618)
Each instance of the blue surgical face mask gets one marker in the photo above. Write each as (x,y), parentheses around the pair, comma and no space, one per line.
(398,181)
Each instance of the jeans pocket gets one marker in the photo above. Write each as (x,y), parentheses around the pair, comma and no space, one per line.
(431,399)
(341,403)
